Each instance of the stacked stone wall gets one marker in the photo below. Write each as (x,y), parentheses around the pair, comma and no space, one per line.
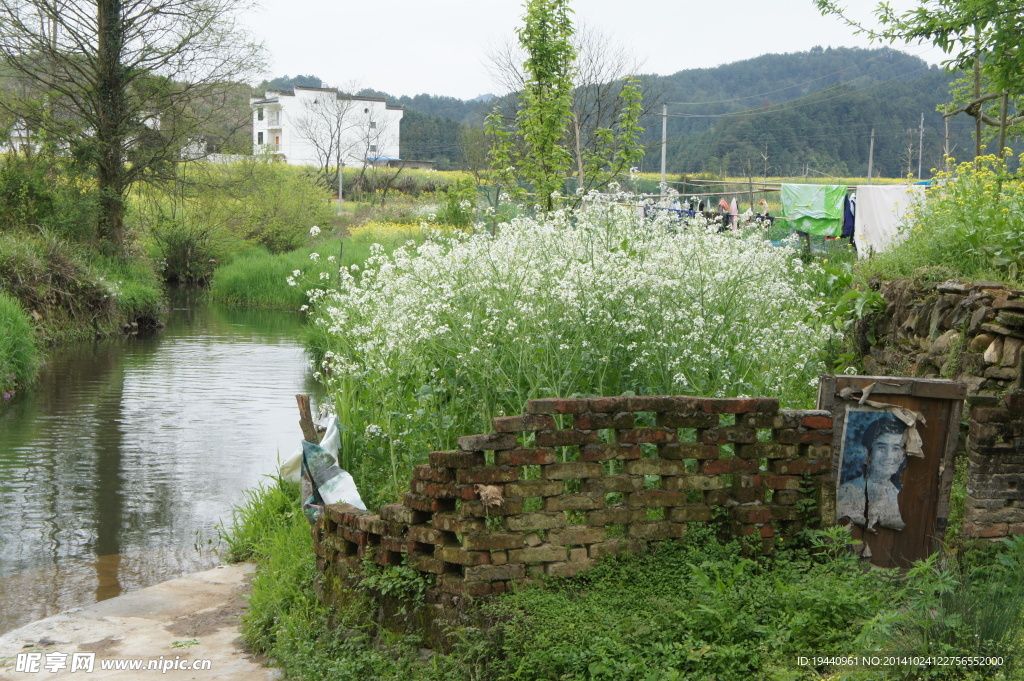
(974,333)
(550,491)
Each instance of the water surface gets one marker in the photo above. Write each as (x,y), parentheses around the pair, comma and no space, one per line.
(118,468)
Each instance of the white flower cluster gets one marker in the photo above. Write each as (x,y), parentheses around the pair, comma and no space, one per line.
(599,302)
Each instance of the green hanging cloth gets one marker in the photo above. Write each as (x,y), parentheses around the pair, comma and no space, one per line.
(814,208)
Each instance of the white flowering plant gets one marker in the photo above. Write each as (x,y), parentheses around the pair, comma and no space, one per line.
(430,341)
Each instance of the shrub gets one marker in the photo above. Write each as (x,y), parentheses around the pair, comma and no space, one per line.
(430,342)
(970,226)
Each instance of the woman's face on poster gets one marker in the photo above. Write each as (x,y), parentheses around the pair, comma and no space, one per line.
(887,453)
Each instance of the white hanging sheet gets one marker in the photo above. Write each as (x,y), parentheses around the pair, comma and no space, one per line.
(881,213)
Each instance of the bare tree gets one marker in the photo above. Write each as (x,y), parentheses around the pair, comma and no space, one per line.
(124,83)
(333,129)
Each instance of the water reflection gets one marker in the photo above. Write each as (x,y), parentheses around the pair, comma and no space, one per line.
(116,470)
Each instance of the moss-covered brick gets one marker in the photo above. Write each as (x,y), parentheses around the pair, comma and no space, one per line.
(535,521)
(767,450)
(492,541)
(690,514)
(614,483)
(577,535)
(372,524)
(751,514)
(534,488)
(574,502)
(495,573)
(522,423)
(724,466)
(400,513)
(780,512)
(654,467)
(477,509)
(452,522)
(454,554)
(566,438)
(571,470)
(607,405)
(427,504)
(646,435)
(457,585)
(816,437)
(817,421)
(423,534)
(538,554)
(593,421)
(425,563)
(457,459)
(740,405)
(609,451)
(488,442)
(555,405)
(790,482)
(433,474)
(355,536)
(688,450)
(687,420)
(800,466)
(657,529)
(525,457)
(692,482)
(614,515)
(487,475)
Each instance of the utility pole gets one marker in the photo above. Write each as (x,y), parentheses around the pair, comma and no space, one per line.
(871,154)
(920,147)
(664,139)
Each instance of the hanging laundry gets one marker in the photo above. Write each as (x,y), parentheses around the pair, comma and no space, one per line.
(814,208)
(882,210)
(849,213)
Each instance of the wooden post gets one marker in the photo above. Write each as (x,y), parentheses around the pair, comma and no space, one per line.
(309,433)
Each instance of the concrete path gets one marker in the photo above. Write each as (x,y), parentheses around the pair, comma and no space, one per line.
(191,622)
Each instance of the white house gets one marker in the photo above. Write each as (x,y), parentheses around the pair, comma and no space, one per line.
(322,127)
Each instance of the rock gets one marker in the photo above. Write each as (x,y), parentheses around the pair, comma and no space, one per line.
(1008,318)
(1011,352)
(994,353)
(980,342)
(942,344)
(952,286)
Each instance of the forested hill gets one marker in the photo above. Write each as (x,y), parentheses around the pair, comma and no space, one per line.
(807,112)
(777,114)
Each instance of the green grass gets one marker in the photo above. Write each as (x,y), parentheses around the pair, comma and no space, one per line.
(19,358)
(259,278)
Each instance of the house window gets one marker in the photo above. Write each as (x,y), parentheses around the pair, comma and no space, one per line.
(259,138)
(259,113)
(373,125)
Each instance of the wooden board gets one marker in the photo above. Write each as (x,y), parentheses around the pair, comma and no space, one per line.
(924,499)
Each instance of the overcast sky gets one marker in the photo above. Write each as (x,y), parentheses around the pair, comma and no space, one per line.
(438,47)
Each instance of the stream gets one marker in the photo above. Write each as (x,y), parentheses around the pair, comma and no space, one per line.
(121,464)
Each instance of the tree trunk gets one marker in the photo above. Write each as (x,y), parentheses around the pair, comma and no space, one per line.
(112,119)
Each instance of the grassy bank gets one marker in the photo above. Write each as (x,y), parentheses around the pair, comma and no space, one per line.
(694,609)
(18,353)
(260,278)
(73,292)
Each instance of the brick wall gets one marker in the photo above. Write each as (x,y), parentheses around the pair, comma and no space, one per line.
(971,332)
(551,491)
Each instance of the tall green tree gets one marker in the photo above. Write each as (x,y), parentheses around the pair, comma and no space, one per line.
(123,85)
(545,111)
